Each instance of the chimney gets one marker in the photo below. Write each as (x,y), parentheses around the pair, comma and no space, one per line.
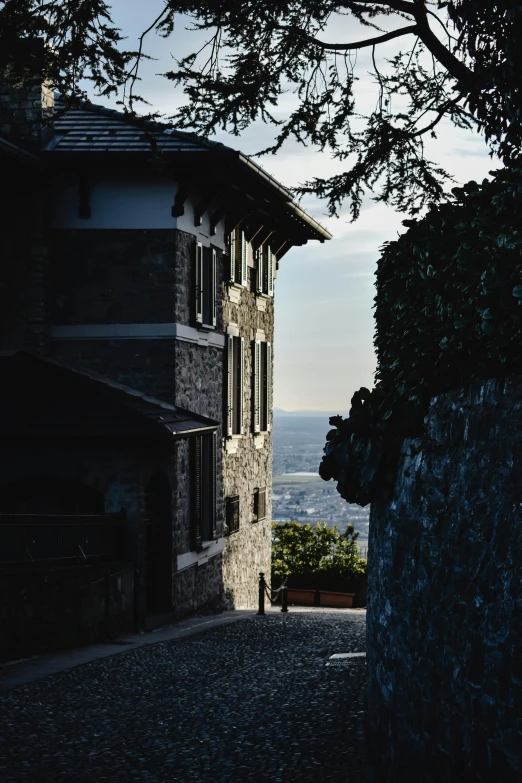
(23,111)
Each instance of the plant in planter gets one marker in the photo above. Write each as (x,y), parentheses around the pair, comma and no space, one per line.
(316,557)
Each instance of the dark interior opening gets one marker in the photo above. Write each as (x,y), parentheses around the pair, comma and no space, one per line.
(158,548)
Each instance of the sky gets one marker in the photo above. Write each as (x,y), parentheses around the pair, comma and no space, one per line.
(324,327)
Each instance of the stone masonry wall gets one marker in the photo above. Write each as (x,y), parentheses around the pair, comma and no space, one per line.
(117,276)
(247,552)
(126,276)
(444,617)
(23,268)
(199,387)
(23,111)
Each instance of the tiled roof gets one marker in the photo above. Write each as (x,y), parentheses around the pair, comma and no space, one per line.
(42,399)
(93,129)
(98,129)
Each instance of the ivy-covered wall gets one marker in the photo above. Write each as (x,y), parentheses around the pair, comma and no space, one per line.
(448,311)
(444,620)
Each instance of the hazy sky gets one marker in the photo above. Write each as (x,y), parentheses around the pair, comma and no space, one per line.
(324,292)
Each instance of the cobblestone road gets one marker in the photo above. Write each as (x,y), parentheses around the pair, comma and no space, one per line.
(250,701)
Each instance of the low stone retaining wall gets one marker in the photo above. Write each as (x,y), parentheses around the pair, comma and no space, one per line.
(50,609)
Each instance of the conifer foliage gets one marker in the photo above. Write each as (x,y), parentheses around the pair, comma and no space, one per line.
(459,60)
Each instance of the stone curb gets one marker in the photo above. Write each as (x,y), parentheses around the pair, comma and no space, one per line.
(17,673)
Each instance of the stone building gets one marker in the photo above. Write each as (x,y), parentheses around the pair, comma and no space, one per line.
(138,265)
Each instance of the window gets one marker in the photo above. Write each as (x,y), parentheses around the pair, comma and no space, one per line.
(260,504)
(232,514)
(204,489)
(262,383)
(236,363)
(264,261)
(205,286)
(237,253)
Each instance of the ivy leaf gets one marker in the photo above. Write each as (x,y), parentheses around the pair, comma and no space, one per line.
(517,291)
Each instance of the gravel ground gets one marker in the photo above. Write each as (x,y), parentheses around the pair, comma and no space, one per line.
(250,701)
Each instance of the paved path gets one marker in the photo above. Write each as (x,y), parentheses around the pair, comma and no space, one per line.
(243,701)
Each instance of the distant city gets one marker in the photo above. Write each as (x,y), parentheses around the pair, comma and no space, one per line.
(298,491)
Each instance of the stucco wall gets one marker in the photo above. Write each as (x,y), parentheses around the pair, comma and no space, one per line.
(445,596)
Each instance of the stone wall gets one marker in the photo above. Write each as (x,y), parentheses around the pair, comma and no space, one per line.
(445,596)
(45,609)
(125,276)
(23,296)
(148,366)
(23,111)
(108,277)
(248,551)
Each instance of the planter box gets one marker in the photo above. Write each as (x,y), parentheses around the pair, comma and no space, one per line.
(343,600)
(301,597)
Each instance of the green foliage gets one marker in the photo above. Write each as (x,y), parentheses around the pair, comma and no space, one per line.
(306,549)
(448,313)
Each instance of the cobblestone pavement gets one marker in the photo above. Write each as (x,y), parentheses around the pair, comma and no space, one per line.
(249,701)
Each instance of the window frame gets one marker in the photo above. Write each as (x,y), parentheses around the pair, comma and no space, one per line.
(264,263)
(205,287)
(260,498)
(204,489)
(233,514)
(237,254)
(235,385)
(262,386)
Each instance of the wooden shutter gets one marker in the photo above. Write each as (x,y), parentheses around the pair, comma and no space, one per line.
(197,491)
(243,259)
(268,385)
(270,259)
(266,266)
(199,283)
(232,254)
(213,485)
(260,504)
(213,288)
(259,269)
(257,386)
(240,383)
(233,514)
(230,385)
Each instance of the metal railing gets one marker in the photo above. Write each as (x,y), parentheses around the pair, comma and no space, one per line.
(265,589)
(33,538)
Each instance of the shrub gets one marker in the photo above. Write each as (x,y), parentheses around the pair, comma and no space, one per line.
(308,549)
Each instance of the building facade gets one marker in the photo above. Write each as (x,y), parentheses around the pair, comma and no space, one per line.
(145,258)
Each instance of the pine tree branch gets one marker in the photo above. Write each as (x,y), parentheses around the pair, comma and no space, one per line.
(357,44)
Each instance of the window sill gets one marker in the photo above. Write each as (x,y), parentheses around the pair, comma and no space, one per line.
(231,443)
(259,439)
(200,558)
(234,292)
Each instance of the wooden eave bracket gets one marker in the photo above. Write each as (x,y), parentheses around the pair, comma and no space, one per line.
(182,193)
(201,208)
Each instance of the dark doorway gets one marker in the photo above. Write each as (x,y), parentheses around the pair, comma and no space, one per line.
(158,546)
